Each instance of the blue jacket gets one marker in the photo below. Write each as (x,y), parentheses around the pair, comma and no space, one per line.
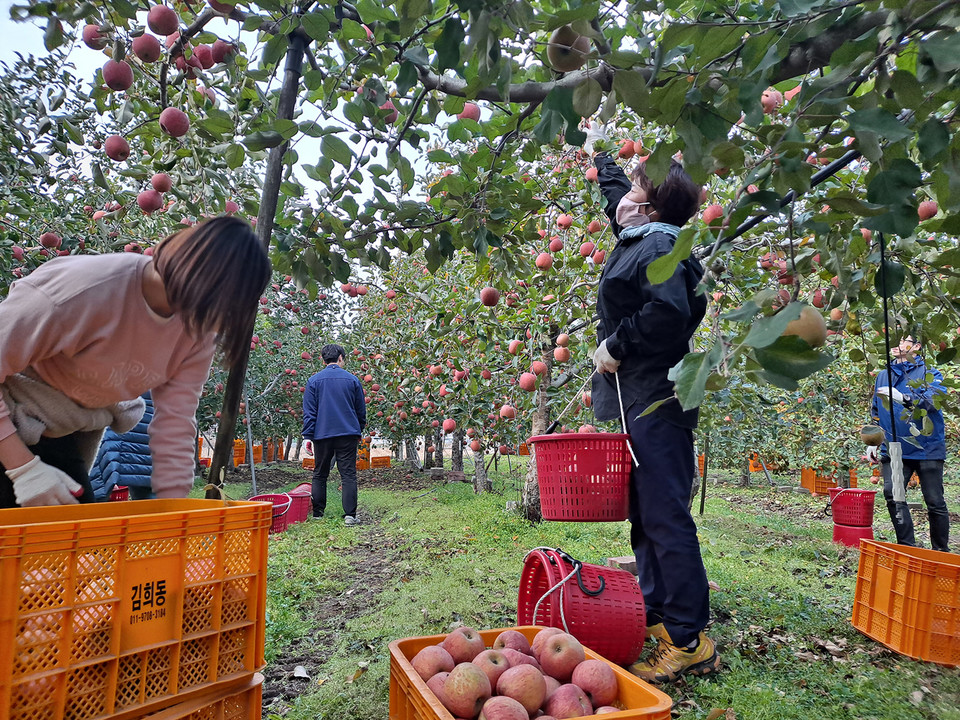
(124,459)
(910,378)
(333,404)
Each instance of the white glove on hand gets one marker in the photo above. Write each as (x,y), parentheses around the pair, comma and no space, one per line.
(595,134)
(309,446)
(604,361)
(37,483)
(893,394)
(871,454)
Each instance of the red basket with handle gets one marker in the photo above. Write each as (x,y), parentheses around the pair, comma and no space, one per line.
(119,493)
(851,535)
(602,607)
(583,477)
(852,506)
(302,503)
(281,509)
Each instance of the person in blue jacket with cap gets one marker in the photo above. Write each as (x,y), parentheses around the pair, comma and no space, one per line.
(334,415)
(911,386)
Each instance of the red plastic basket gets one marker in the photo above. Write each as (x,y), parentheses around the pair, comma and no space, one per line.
(851,535)
(852,507)
(281,509)
(603,607)
(119,493)
(302,503)
(583,477)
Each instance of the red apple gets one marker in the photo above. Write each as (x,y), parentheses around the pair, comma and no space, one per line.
(597,680)
(117,75)
(508,412)
(556,244)
(712,213)
(149,201)
(525,684)
(163,20)
(591,174)
(147,48)
(449,425)
(94,38)
(489,296)
(436,684)
(466,689)
(606,710)
(586,250)
(569,701)
(536,647)
(392,114)
(431,660)
(514,347)
(116,148)
(471,111)
(544,261)
(528,382)
(564,221)
(161,182)
(221,50)
(927,209)
(174,122)
(771,99)
(560,655)
(50,240)
(463,644)
(493,662)
(503,708)
(515,657)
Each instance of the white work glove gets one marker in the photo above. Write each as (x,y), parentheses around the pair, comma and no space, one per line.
(37,483)
(893,394)
(871,454)
(595,134)
(309,447)
(604,361)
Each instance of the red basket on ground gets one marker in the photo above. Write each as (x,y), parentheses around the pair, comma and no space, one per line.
(281,509)
(851,535)
(119,493)
(583,477)
(602,607)
(852,506)
(302,503)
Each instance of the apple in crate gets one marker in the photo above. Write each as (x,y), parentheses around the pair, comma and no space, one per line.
(432,660)
(503,708)
(465,690)
(463,644)
(436,685)
(560,655)
(606,709)
(552,685)
(494,663)
(540,638)
(513,639)
(569,701)
(515,657)
(597,680)
(525,684)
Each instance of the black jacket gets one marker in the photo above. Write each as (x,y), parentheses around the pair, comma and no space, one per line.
(647,327)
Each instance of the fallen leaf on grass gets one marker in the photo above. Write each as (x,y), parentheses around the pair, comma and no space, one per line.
(713,585)
(361,669)
(725,713)
(916,697)
(301,672)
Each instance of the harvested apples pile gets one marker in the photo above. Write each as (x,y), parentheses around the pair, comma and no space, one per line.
(516,679)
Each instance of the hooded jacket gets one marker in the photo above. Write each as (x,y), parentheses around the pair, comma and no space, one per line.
(647,327)
(911,379)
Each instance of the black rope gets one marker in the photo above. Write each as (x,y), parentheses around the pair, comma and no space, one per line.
(886,330)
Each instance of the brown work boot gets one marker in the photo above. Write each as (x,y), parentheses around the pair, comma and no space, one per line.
(668,662)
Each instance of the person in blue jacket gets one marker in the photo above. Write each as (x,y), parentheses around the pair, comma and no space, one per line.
(644,330)
(124,460)
(912,386)
(334,416)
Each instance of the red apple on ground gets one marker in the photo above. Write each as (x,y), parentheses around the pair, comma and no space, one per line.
(117,75)
(466,689)
(463,644)
(431,660)
(503,708)
(597,680)
(560,655)
(174,122)
(147,48)
(116,148)
(568,701)
(493,662)
(525,684)
(512,639)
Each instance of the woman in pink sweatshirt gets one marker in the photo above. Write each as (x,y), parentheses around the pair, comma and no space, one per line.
(83,336)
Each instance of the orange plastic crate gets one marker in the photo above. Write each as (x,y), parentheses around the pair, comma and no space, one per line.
(308,463)
(243,703)
(363,464)
(909,599)
(117,609)
(411,699)
(383,461)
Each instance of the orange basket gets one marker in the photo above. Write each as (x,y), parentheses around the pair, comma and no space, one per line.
(116,610)
(381,461)
(243,703)
(411,699)
(600,606)
(583,477)
(909,599)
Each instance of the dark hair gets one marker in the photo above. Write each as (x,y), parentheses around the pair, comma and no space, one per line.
(332,353)
(639,177)
(214,274)
(677,198)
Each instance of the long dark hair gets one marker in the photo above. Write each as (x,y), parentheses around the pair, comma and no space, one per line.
(677,198)
(214,274)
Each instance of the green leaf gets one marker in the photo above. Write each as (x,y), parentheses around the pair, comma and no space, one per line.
(747,311)
(790,357)
(218,122)
(448,45)
(316,26)
(587,97)
(274,50)
(766,330)
(691,374)
(631,86)
(662,269)
(261,140)
(407,77)
(889,278)
(934,137)
(943,48)
(894,185)
(653,406)
(235,156)
(98,178)
(880,122)
(53,35)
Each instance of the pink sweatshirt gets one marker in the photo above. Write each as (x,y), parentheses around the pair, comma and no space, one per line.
(81,322)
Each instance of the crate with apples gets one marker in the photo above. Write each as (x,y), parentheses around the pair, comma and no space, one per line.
(513,674)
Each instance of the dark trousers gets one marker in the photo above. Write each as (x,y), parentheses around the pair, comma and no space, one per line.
(63,454)
(930,474)
(663,533)
(343,449)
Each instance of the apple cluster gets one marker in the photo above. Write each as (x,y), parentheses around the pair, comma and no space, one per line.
(515,679)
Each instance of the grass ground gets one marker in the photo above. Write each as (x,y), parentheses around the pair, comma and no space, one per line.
(426,559)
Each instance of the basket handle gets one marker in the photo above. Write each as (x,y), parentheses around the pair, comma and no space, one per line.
(578,568)
(286,506)
(828,510)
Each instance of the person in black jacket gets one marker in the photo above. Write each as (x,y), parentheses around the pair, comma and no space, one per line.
(644,330)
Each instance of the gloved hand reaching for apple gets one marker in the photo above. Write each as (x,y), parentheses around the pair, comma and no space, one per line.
(596,133)
(894,394)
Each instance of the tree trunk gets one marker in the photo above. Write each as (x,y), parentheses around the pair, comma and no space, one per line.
(481,483)
(269,199)
(427,455)
(288,443)
(531,488)
(456,451)
(438,439)
(745,471)
(413,457)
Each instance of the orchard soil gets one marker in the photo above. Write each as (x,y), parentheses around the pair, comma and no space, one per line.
(374,557)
